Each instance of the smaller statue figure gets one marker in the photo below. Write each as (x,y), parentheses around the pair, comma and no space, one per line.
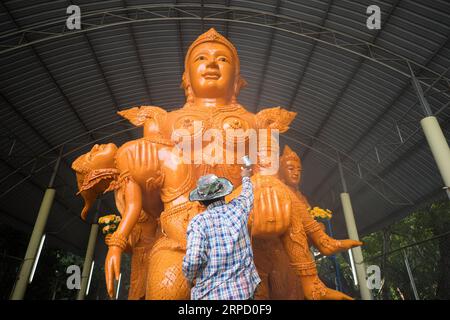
(290,174)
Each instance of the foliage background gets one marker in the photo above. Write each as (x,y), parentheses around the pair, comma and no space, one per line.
(424,237)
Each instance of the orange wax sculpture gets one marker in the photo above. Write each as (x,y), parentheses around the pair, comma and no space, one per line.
(151,180)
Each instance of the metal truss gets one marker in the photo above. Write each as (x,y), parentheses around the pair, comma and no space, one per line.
(402,130)
(95,20)
(363,173)
(39,163)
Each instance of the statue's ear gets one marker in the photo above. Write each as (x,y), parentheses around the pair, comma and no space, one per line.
(241,83)
(138,115)
(275,118)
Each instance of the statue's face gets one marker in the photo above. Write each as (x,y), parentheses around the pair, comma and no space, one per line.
(101,156)
(291,172)
(212,71)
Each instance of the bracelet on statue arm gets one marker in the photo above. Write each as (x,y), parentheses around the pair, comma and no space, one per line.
(117,240)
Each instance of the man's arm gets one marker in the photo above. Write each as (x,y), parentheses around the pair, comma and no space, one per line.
(245,199)
(195,252)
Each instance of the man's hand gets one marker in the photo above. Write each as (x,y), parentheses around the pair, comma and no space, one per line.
(246,172)
(112,268)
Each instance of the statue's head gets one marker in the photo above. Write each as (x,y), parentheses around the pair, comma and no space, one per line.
(95,171)
(212,68)
(290,167)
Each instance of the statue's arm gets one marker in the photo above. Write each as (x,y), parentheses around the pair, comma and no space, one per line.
(132,207)
(119,239)
(136,162)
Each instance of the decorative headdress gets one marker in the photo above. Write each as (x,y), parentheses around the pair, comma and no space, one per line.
(89,180)
(289,154)
(213,36)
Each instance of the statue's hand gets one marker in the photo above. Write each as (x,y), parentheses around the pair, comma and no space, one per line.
(143,158)
(140,159)
(271,211)
(112,268)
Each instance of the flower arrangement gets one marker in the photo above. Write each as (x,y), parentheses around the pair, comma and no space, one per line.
(109,223)
(319,213)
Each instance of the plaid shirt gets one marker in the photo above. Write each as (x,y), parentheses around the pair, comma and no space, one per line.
(219,253)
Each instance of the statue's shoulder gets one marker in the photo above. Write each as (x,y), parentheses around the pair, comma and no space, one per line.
(139,115)
(275,118)
(154,120)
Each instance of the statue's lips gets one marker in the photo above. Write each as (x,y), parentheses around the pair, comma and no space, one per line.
(211,76)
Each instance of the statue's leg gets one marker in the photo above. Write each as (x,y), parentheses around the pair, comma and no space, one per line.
(317,235)
(283,282)
(138,275)
(262,291)
(296,246)
(165,279)
(263,265)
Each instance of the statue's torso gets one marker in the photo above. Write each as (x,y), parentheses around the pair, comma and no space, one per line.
(193,124)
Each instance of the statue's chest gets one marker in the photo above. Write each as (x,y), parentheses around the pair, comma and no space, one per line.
(194,123)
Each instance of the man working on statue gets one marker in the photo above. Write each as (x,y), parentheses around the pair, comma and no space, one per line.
(219,256)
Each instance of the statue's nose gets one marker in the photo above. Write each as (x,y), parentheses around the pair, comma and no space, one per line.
(212,63)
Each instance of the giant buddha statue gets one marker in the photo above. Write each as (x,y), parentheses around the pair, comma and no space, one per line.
(154,174)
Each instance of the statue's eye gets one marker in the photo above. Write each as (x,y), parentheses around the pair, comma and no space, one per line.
(201,58)
(222,59)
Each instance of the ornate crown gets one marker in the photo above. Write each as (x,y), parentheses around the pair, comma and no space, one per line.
(289,154)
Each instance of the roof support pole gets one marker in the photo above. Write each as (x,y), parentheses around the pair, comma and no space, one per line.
(23,278)
(410,275)
(439,148)
(89,257)
(353,234)
(87,266)
(434,135)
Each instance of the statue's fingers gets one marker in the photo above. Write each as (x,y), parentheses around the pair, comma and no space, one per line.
(276,201)
(264,201)
(345,297)
(272,209)
(109,279)
(260,201)
(116,264)
(277,208)
(130,159)
(143,148)
(155,157)
(355,243)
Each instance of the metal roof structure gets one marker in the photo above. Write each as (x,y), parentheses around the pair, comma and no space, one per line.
(351,86)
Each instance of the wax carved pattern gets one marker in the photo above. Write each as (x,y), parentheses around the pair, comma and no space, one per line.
(154,178)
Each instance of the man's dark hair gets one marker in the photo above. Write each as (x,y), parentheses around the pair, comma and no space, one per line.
(206,203)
